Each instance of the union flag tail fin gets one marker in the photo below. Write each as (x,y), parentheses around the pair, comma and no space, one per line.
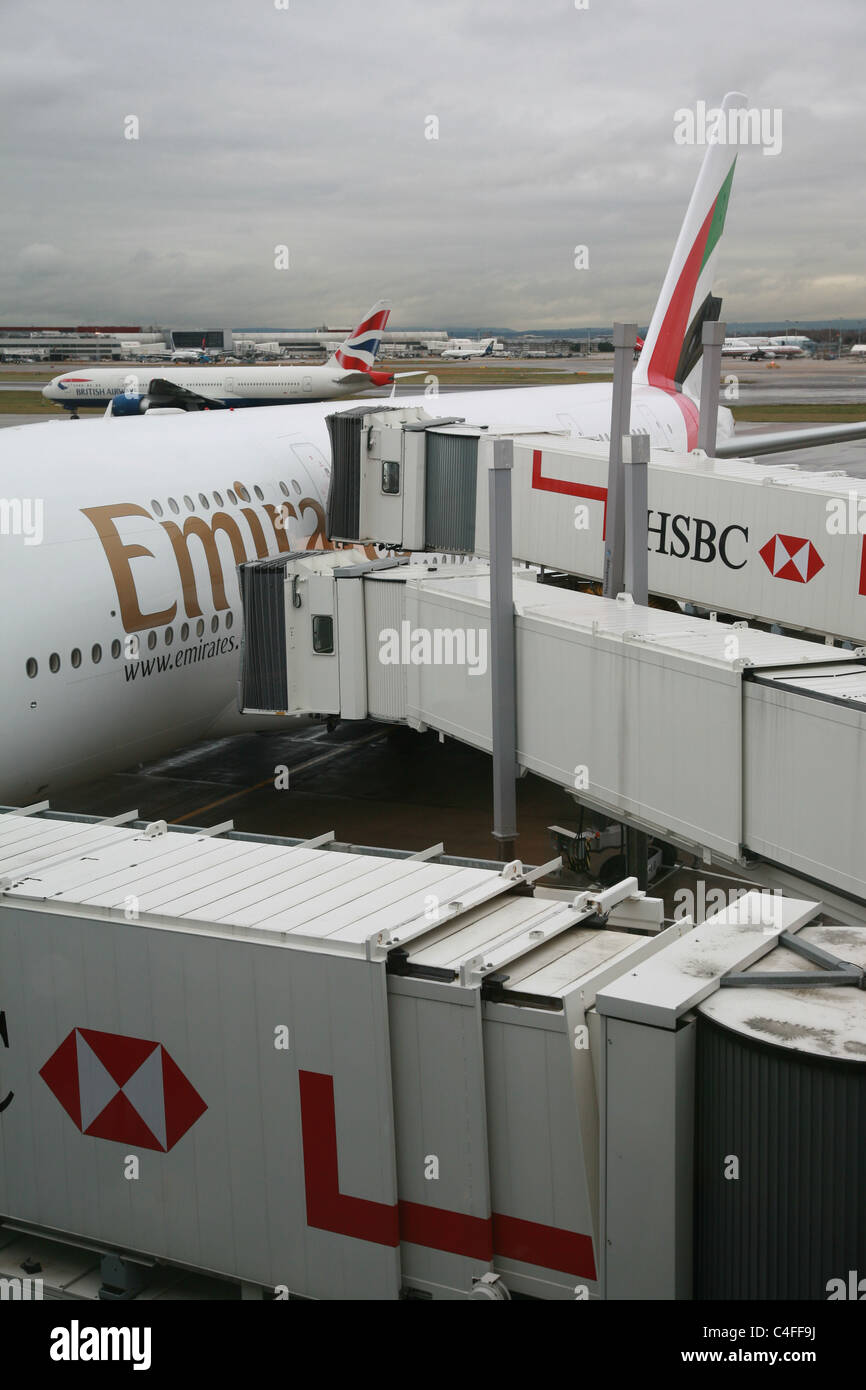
(358,352)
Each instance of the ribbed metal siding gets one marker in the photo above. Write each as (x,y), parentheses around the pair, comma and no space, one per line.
(796,1216)
(264,684)
(344,486)
(384,604)
(450,482)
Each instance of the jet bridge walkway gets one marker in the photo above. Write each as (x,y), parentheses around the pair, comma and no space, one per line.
(727,741)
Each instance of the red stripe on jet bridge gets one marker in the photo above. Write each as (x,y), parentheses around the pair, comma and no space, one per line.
(451,1231)
(544,484)
(862,589)
(327,1207)
(435,1228)
(543,1245)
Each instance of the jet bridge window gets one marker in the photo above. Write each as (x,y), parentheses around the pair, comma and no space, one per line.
(391,478)
(323,634)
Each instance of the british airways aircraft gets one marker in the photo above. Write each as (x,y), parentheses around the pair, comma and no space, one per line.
(347,371)
(120,622)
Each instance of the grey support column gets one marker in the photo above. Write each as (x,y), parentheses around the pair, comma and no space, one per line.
(636,454)
(713,338)
(624,335)
(503,685)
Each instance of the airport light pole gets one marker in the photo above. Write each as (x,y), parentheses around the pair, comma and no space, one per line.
(503,689)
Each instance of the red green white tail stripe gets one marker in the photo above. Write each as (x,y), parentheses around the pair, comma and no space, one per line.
(685,302)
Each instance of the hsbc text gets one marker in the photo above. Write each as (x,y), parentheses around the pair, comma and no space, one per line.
(696,538)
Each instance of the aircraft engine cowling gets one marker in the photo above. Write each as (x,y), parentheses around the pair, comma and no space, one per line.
(135,404)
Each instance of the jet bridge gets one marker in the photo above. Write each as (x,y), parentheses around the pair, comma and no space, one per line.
(352,1075)
(773,543)
(728,741)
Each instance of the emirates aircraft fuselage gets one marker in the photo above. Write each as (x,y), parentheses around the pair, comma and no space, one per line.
(121,623)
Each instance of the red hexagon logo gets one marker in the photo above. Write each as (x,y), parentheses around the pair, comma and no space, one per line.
(126,1089)
(791,557)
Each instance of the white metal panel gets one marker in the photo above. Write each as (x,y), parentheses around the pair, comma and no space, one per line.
(441,1135)
(351,651)
(647,1144)
(228,1193)
(661,989)
(805,767)
(597,713)
(710,520)
(542,1226)
(338,898)
(384,611)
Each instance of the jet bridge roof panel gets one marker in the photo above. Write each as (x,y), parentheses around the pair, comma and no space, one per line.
(202,881)
(614,620)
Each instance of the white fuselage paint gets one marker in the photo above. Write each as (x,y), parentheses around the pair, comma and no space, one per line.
(229,385)
(62,595)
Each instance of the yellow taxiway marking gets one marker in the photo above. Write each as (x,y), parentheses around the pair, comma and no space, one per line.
(268,781)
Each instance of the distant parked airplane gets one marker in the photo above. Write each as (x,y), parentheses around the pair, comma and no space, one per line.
(348,370)
(459,348)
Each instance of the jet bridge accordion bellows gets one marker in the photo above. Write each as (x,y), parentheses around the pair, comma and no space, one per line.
(263,679)
(450,481)
(344,487)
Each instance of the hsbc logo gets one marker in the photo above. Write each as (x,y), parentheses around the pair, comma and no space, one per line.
(697,538)
(126,1089)
(791,557)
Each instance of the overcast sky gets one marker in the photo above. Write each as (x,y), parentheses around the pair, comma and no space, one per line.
(304,126)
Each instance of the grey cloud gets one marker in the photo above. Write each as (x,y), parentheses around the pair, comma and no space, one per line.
(305,126)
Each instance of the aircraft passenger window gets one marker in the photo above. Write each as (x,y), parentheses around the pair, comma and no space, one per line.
(199,628)
(156,508)
(230,617)
(115,648)
(151,640)
(169,636)
(202,497)
(242,492)
(217,497)
(188,503)
(175,508)
(214,623)
(230,495)
(257,490)
(284,490)
(323,634)
(296,485)
(96,653)
(75,657)
(54,663)
(32,667)
(184,632)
